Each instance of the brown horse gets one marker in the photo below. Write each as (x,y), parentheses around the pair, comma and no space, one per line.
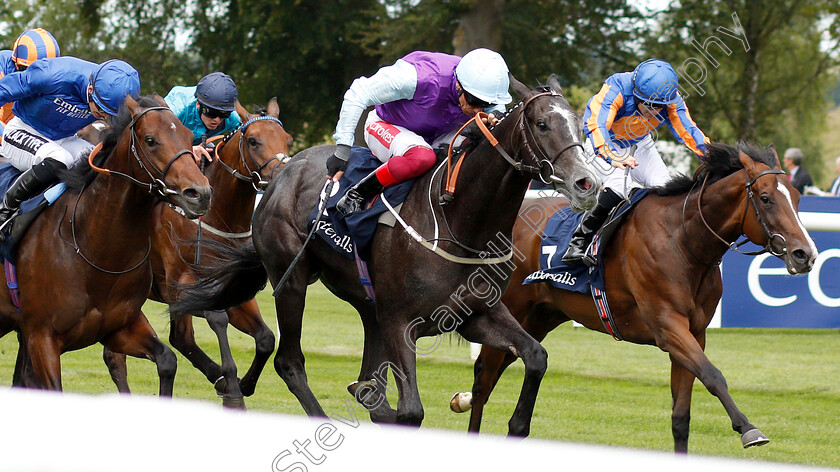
(662,273)
(247,159)
(422,288)
(84,269)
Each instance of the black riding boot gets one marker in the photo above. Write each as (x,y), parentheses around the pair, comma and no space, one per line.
(358,194)
(30,183)
(590,225)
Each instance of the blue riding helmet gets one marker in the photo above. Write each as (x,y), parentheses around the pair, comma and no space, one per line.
(112,81)
(655,81)
(216,91)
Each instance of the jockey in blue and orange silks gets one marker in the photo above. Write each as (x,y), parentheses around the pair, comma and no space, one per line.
(31,45)
(629,106)
(421,101)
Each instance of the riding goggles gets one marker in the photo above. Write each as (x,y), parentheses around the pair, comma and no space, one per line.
(213,113)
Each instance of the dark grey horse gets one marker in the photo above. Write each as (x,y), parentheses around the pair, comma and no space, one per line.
(419,292)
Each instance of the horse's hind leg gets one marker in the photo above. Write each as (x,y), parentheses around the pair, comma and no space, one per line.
(138,339)
(117,368)
(289,360)
(675,338)
(682,382)
(495,327)
(23,376)
(371,389)
(232,396)
(247,318)
(489,366)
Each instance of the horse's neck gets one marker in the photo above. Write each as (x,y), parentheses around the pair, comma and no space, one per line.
(488,194)
(113,213)
(233,199)
(722,208)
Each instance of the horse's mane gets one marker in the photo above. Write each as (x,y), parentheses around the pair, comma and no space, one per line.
(719,161)
(81,174)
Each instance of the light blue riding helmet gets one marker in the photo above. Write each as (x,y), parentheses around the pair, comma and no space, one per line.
(655,81)
(112,81)
(484,74)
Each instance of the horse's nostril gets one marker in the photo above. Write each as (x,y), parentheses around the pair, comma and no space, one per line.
(583,184)
(191,194)
(799,255)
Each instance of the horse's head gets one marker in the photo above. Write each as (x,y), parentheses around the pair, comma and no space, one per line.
(774,222)
(263,145)
(161,148)
(553,143)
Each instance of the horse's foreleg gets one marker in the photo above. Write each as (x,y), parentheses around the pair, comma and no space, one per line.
(675,338)
(368,390)
(46,360)
(247,318)
(489,366)
(182,338)
(231,395)
(138,339)
(289,360)
(495,327)
(682,382)
(23,375)
(117,368)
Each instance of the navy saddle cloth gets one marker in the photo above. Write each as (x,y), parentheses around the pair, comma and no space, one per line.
(356,229)
(555,240)
(28,210)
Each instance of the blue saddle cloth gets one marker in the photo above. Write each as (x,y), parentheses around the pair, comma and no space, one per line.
(356,229)
(28,209)
(555,240)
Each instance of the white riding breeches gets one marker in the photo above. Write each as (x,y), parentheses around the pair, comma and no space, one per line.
(651,171)
(24,147)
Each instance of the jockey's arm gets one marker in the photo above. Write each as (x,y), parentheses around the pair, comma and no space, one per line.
(600,115)
(14,87)
(685,130)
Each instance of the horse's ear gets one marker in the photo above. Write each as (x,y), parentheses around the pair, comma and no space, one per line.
(748,162)
(273,108)
(132,105)
(772,149)
(156,97)
(554,84)
(521,90)
(243,113)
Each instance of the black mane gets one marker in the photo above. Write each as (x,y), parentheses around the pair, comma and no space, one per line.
(81,174)
(719,161)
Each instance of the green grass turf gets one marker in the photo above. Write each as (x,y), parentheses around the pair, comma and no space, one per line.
(596,390)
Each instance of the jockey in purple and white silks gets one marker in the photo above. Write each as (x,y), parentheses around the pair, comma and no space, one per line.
(421,100)
(54,99)
(629,106)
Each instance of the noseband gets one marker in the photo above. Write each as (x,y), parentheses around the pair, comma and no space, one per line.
(252,176)
(157,186)
(733,246)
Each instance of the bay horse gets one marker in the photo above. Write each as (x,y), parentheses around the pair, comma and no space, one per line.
(662,273)
(83,269)
(419,292)
(246,160)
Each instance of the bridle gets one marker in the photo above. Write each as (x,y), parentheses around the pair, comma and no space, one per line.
(157,186)
(253,176)
(733,246)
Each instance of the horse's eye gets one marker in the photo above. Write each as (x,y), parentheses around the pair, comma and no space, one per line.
(764,199)
(252,142)
(150,141)
(541,125)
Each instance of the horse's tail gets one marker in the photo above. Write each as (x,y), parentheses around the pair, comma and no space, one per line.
(232,276)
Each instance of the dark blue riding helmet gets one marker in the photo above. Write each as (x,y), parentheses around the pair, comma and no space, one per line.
(111,82)
(654,81)
(216,91)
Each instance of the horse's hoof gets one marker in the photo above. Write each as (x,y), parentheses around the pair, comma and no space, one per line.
(237,403)
(754,437)
(461,402)
(221,387)
(362,384)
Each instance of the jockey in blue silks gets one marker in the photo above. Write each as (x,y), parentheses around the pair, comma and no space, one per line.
(621,115)
(421,100)
(30,46)
(206,109)
(55,98)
